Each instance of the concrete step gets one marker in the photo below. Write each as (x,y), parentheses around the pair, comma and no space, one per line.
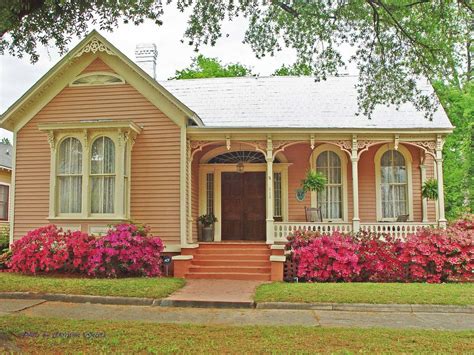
(227,262)
(228,276)
(231,269)
(233,251)
(232,257)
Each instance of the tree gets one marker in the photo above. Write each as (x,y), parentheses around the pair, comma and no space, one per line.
(395,41)
(204,67)
(458,151)
(6,141)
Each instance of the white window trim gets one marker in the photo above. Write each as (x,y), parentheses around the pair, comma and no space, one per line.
(122,133)
(342,156)
(378,178)
(9,211)
(105,73)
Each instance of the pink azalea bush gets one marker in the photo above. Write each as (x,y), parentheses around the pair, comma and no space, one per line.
(126,250)
(430,255)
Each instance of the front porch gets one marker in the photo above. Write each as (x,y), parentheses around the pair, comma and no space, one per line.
(373,179)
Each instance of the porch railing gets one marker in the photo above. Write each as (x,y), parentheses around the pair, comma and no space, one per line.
(283,229)
(395,229)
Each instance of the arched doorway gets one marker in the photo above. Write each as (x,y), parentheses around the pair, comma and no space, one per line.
(233,187)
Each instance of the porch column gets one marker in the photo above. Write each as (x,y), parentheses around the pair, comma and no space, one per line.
(424,204)
(269,194)
(355,185)
(439,171)
(189,161)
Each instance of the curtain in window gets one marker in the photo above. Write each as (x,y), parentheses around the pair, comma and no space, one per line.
(4,193)
(70,176)
(330,199)
(102,175)
(394,185)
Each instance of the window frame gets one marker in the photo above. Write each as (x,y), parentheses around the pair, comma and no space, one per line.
(378,180)
(344,183)
(58,175)
(123,135)
(7,202)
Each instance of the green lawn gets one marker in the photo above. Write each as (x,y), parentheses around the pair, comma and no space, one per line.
(412,293)
(43,335)
(128,287)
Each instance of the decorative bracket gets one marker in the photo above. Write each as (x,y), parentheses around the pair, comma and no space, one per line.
(227,142)
(396,142)
(94,46)
(312,141)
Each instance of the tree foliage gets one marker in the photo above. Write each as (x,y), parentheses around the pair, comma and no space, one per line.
(204,67)
(396,41)
(458,151)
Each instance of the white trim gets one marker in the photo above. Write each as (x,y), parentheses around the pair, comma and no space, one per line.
(408,161)
(278,258)
(182,257)
(343,157)
(182,187)
(12,190)
(104,73)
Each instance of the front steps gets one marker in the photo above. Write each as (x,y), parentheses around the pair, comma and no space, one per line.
(231,261)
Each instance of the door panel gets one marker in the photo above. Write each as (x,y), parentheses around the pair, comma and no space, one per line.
(243,206)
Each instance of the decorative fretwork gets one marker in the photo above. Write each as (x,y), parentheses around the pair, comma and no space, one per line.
(94,46)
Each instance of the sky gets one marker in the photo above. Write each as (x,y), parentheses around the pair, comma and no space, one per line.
(18,75)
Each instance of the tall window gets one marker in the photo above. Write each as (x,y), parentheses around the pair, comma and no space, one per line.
(70,176)
(210,193)
(277,195)
(102,175)
(394,184)
(330,199)
(4,194)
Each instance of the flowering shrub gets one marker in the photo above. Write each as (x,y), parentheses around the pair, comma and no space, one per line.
(328,258)
(125,250)
(43,249)
(379,258)
(430,255)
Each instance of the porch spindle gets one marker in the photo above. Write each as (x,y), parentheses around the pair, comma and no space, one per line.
(439,171)
(269,186)
(355,185)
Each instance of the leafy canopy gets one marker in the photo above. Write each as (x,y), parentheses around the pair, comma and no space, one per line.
(395,41)
(204,67)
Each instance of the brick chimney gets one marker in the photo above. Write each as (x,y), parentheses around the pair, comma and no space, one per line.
(145,56)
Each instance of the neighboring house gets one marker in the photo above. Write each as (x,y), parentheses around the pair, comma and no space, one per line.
(99,141)
(6,151)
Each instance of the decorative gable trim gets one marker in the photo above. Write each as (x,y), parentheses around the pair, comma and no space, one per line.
(94,46)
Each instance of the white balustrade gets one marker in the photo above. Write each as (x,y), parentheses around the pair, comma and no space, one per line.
(284,229)
(396,229)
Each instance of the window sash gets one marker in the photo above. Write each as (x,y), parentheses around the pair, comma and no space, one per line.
(277,207)
(210,193)
(394,185)
(69,176)
(4,202)
(330,198)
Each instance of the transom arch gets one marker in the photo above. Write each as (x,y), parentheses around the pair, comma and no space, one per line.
(234,152)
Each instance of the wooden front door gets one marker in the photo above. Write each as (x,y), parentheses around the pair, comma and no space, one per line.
(243,206)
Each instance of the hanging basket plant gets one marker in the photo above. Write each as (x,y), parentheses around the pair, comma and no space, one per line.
(314,181)
(430,189)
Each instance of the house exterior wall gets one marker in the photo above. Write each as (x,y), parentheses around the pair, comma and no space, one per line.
(155,163)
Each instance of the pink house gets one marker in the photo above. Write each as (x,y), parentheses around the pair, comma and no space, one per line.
(98,141)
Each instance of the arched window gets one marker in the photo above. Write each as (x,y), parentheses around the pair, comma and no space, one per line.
(102,175)
(393,184)
(69,175)
(330,199)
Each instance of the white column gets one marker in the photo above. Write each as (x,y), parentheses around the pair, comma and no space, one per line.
(189,188)
(355,185)
(424,204)
(269,194)
(439,173)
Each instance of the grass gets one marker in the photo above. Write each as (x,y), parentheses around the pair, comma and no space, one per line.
(44,335)
(382,293)
(127,287)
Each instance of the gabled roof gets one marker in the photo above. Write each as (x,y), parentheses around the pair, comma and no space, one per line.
(93,43)
(293,102)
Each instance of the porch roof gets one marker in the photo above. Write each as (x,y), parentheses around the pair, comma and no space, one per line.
(293,102)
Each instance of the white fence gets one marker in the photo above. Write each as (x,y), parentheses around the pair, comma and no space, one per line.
(395,229)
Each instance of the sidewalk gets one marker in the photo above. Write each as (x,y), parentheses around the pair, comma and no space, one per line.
(234,317)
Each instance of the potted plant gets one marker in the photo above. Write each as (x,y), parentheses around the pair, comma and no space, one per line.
(430,189)
(314,181)
(207,224)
